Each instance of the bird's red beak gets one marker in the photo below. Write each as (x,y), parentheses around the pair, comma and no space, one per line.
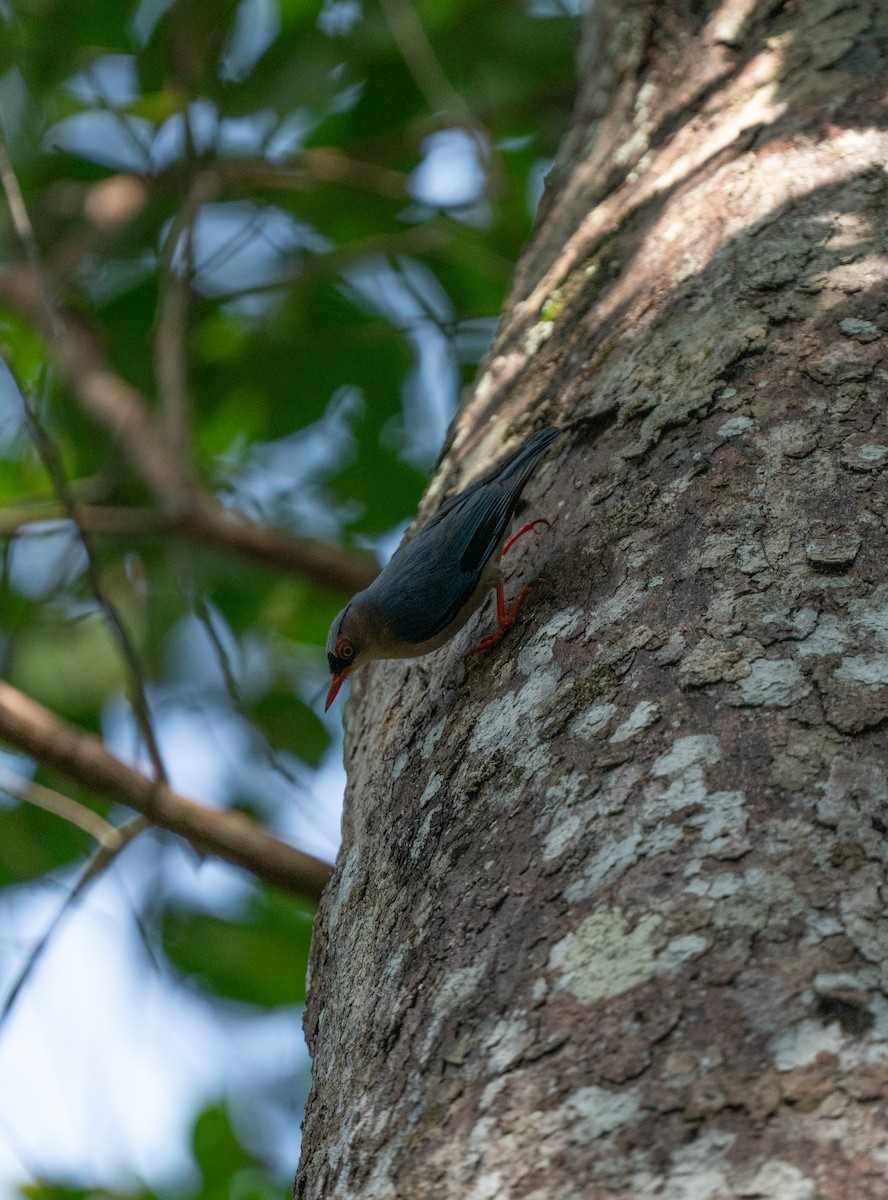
(338,681)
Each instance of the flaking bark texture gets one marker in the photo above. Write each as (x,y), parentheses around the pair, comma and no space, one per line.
(609,918)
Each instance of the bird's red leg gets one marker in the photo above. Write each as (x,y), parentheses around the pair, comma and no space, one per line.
(521,532)
(505,617)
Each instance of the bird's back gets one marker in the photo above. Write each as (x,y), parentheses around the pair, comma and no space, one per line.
(434,575)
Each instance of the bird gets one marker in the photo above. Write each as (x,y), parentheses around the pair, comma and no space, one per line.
(436,580)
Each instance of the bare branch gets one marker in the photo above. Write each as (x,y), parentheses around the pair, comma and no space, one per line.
(22,224)
(318,165)
(418,239)
(270,548)
(43,518)
(162,458)
(82,757)
(214,528)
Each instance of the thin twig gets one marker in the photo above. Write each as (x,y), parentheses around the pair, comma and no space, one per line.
(432,240)
(116,405)
(18,210)
(127,129)
(96,866)
(232,687)
(62,806)
(447,328)
(422,62)
(132,662)
(425,67)
(170,362)
(170,342)
(268,547)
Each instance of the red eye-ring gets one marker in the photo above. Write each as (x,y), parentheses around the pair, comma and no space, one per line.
(344,649)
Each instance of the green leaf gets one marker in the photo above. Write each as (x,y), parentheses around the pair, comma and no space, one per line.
(71,668)
(157,107)
(259,959)
(230,1172)
(290,725)
(23,350)
(218,1152)
(33,842)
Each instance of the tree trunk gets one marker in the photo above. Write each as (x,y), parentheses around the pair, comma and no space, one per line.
(609,915)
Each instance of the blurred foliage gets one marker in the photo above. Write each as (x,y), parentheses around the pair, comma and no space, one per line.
(243,958)
(342,191)
(227,1171)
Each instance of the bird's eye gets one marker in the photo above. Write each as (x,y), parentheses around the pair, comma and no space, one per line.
(345,650)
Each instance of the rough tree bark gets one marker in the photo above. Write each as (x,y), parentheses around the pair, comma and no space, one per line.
(609,915)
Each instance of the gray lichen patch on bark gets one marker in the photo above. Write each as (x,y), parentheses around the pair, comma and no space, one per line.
(603,957)
(609,918)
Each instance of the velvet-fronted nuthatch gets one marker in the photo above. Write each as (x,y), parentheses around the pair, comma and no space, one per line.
(436,580)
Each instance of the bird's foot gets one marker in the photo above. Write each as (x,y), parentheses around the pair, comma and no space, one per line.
(505,618)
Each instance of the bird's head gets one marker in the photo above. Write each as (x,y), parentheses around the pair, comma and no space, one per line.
(344,642)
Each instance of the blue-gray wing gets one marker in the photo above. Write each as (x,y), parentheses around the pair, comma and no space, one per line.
(432,577)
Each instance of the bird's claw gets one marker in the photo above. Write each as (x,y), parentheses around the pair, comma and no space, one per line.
(505,619)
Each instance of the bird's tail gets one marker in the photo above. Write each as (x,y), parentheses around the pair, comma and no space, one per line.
(524,459)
